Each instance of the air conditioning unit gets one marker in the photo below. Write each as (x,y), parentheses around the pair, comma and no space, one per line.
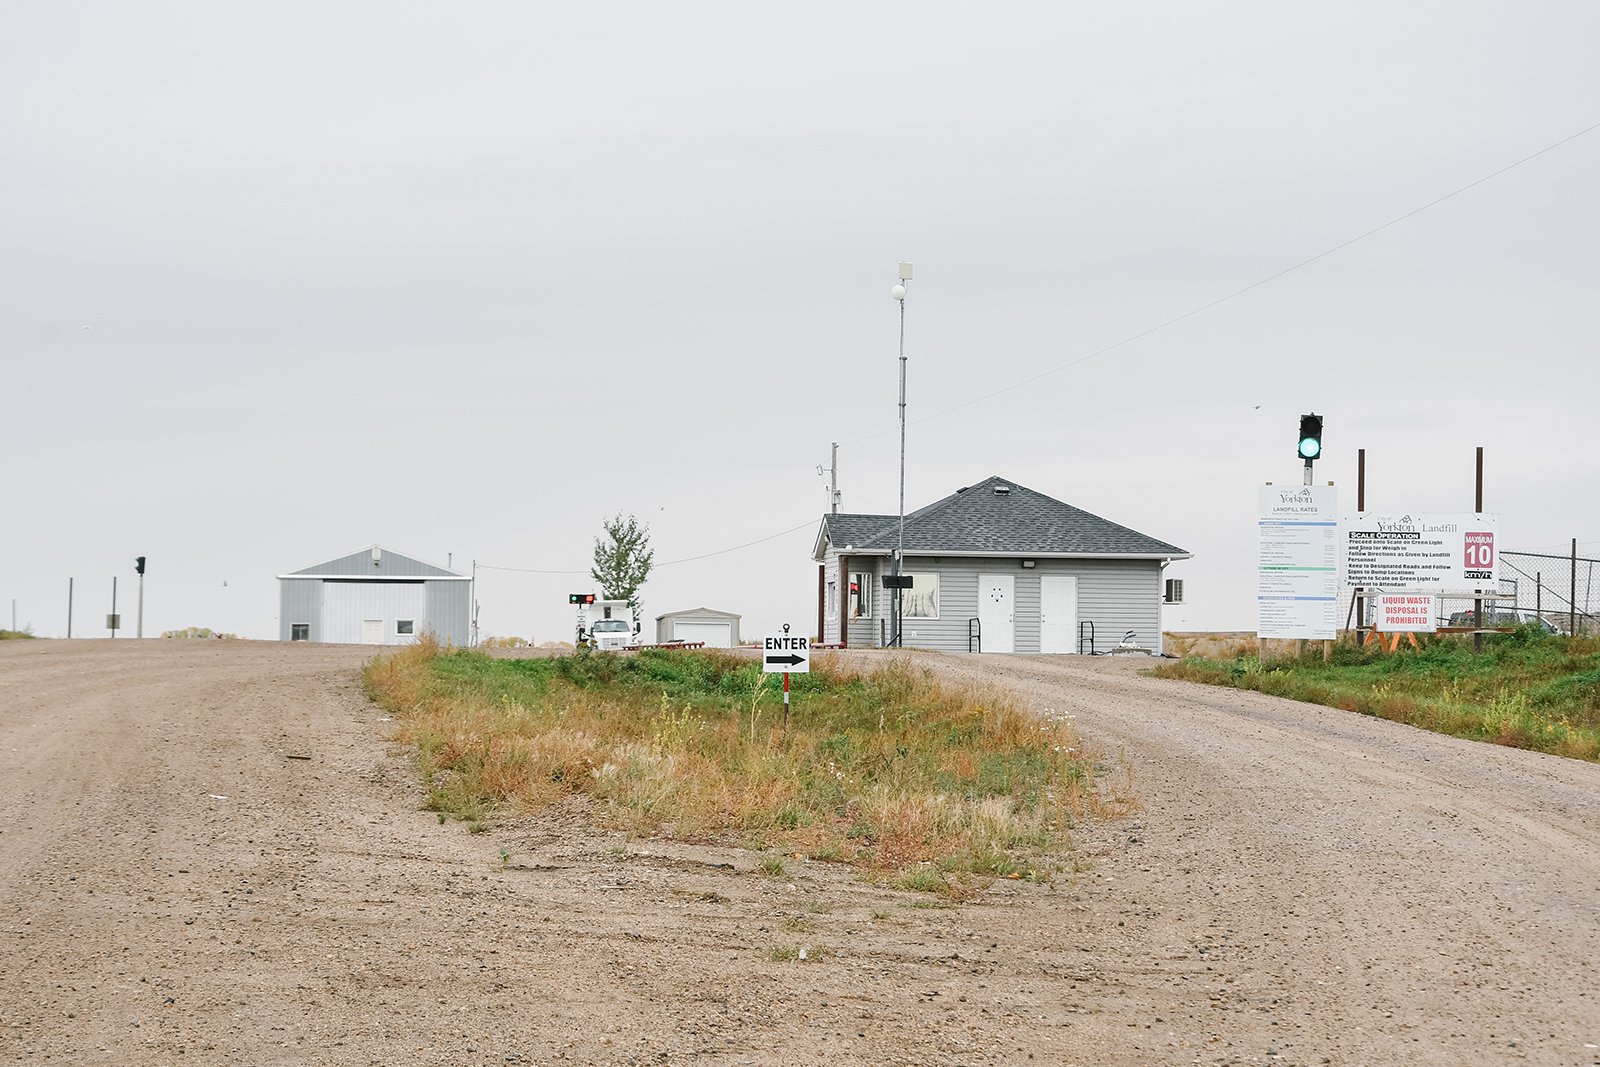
(1173,592)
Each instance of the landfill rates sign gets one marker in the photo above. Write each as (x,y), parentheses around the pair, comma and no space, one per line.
(1297,586)
(1421,551)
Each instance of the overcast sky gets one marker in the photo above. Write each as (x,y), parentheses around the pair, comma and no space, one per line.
(278,281)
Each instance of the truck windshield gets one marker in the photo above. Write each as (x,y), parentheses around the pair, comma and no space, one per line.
(611,626)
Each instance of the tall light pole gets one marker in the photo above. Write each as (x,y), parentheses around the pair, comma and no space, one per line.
(899,294)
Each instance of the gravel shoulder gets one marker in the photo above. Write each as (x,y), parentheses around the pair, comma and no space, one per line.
(210,853)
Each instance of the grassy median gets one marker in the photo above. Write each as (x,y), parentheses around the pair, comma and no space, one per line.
(887,769)
(1526,689)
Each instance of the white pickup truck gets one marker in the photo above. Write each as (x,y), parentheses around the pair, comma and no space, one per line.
(609,630)
(608,635)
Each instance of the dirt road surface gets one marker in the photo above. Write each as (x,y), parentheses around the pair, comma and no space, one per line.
(210,853)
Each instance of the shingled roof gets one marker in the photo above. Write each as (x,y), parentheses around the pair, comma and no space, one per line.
(994,517)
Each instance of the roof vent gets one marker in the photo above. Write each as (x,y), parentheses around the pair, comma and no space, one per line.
(963,489)
(1001,490)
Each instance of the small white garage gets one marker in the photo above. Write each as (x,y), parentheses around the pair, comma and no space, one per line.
(715,629)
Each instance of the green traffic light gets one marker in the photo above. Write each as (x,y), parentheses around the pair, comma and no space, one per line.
(1310,448)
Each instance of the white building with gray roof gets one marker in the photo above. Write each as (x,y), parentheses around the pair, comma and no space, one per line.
(995,567)
(374,597)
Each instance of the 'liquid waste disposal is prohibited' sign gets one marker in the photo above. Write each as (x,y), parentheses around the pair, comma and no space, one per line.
(1407,613)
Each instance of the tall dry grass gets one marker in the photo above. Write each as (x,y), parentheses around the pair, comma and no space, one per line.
(888,769)
(1525,689)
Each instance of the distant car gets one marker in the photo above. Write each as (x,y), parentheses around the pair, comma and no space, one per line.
(1494,617)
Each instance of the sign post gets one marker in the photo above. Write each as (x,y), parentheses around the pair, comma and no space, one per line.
(781,654)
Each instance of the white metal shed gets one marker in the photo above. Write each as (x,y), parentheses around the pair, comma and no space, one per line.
(373,597)
(716,629)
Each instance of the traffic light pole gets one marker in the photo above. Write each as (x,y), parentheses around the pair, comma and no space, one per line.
(139,624)
(1307,480)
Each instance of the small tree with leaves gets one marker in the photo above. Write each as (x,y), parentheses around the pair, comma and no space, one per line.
(622,559)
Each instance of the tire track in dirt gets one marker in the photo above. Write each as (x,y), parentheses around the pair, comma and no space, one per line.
(1443,891)
(1303,886)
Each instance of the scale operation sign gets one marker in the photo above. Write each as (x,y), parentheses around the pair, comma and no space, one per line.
(1422,552)
(785,654)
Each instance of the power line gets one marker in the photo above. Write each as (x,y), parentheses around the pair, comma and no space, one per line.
(1239,292)
(667,563)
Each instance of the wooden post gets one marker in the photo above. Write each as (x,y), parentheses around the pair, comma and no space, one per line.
(1477,605)
(822,602)
(844,601)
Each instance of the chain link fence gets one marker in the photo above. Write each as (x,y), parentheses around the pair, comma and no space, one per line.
(1563,590)
(1558,592)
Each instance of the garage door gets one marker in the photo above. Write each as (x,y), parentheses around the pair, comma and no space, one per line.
(373,613)
(714,634)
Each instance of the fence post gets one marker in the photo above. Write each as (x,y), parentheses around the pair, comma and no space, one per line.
(1572,597)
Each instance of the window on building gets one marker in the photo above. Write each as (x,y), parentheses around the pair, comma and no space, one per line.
(861,595)
(1173,591)
(833,598)
(300,631)
(921,601)
(405,626)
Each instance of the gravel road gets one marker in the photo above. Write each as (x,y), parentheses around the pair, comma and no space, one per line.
(210,853)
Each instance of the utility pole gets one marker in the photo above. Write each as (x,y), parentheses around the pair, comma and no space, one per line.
(113,621)
(833,479)
(69,608)
(899,293)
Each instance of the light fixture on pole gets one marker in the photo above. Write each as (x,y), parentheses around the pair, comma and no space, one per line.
(899,294)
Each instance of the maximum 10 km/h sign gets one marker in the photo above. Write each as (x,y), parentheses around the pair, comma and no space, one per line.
(785,654)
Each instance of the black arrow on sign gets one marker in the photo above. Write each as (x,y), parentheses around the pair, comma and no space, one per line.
(790,659)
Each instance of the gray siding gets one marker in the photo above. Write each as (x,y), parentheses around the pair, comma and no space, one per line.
(390,565)
(958,601)
(447,614)
(1118,596)
(450,611)
(864,631)
(1115,595)
(299,601)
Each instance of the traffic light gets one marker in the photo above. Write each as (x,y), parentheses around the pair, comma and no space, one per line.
(580,598)
(1310,437)
(138,565)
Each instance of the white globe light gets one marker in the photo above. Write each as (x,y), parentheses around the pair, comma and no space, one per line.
(898,292)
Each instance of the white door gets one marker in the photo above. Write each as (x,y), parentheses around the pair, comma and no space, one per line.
(714,634)
(372,631)
(1058,613)
(995,620)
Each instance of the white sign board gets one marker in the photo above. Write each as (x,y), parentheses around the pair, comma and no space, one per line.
(1297,588)
(785,654)
(1422,552)
(1407,613)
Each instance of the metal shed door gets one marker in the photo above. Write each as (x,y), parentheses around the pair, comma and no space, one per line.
(995,596)
(1058,613)
(714,634)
